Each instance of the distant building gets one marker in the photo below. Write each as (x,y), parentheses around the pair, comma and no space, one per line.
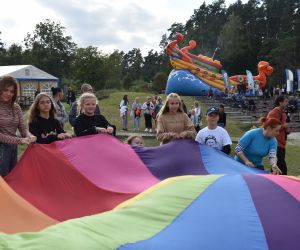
(30,79)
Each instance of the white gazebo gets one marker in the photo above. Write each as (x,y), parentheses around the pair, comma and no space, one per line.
(30,79)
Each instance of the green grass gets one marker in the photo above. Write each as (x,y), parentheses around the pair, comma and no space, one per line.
(109,108)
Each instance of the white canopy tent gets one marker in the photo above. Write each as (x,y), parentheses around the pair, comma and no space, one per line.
(30,79)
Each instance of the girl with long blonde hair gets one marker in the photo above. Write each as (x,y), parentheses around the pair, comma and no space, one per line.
(88,123)
(172,122)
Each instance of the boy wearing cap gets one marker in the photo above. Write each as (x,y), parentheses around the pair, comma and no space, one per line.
(214,135)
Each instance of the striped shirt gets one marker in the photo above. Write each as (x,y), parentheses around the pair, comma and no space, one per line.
(10,121)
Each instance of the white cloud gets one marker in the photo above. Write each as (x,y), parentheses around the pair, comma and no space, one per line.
(106,24)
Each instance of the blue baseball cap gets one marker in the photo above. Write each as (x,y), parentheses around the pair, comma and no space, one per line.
(212,110)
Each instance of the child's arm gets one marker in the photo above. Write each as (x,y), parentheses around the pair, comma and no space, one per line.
(162,135)
(105,124)
(189,129)
(81,130)
(33,129)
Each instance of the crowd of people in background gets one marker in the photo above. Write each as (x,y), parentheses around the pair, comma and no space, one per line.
(149,108)
(172,121)
(243,98)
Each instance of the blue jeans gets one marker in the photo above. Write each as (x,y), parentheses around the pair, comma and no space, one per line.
(8,158)
(137,122)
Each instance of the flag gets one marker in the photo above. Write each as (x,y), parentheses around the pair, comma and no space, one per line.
(226,79)
(298,73)
(289,81)
(250,81)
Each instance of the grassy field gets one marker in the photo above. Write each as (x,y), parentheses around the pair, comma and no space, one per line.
(109,108)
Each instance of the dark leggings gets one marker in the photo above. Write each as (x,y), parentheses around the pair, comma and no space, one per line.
(281,160)
(148,120)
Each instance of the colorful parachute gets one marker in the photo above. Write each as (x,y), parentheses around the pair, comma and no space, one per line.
(210,201)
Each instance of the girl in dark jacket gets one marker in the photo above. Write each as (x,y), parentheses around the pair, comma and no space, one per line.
(42,121)
(88,122)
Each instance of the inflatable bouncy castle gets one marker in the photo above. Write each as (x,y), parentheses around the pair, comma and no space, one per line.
(196,74)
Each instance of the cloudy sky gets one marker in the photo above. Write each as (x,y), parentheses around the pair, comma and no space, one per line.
(107,24)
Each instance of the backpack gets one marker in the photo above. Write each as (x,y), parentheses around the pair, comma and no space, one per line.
(137,111)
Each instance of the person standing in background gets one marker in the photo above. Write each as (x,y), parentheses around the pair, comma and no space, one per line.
(124,106)
(154,101)
(148,111)
(85,88)
(38,90)
(136,113)
(71,98)
(210,93)
(278,113)
(197,116)
(222,116)
(61,114)
(184,108)
(158,104)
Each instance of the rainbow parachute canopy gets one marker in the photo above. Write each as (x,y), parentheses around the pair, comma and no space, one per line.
(181,195)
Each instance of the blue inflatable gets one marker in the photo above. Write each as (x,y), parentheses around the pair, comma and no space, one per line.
(184,83)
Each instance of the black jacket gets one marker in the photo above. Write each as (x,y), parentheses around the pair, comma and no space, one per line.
(86,125)
(46,130)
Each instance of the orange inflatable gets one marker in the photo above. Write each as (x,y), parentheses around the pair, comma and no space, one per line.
(264,70)
(186,55)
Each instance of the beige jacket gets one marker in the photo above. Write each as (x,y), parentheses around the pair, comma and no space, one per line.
(174,126)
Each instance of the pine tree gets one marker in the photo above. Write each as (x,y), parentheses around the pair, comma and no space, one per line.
(232,42)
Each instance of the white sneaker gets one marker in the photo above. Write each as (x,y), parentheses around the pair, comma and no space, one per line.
(146,130)
(150,130)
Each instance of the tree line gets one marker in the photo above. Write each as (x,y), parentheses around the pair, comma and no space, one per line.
(245,33)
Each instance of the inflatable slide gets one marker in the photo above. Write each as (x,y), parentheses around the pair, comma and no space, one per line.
(194,75)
